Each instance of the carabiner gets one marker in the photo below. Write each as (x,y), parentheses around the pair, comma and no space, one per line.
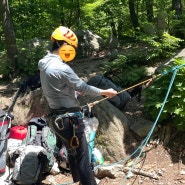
(74,142)
(59,122)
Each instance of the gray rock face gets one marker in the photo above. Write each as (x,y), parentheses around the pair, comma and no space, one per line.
(89,43)
(141,127)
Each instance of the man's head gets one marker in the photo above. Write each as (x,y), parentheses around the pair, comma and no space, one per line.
(66,41)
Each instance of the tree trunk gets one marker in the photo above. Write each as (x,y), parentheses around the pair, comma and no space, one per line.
(177,6)
(9,33)
(149,10)
(112,23)
(133,15)
(120,30)
(160,24)
(79,15)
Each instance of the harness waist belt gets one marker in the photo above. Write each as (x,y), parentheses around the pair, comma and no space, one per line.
(64,110)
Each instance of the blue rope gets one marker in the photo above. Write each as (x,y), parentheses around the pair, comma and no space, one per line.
(145,141)
(172,69)
(154,125)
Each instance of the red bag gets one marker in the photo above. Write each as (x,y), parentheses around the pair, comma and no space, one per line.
(18,132)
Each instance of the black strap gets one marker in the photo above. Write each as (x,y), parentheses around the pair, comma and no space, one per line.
(64,110)
(38,122)
(42,159)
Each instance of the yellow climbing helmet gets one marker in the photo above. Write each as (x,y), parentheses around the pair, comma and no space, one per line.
(65,34)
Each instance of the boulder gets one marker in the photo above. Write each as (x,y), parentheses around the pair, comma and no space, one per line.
(89,43)
(113,126)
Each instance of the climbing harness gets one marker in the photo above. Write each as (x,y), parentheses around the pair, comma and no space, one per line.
(74,120)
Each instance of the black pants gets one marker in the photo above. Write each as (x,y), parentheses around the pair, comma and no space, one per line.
(79,157)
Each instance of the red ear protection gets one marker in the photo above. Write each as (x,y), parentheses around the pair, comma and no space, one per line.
(67,53)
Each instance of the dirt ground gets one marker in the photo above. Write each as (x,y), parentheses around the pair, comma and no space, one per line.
(159,164)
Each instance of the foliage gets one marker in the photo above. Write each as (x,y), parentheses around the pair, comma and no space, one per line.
(174,109)
(5,65)
(37,18)
(29,53)
(159,47)
(169,44)
(107,17)
(123,74)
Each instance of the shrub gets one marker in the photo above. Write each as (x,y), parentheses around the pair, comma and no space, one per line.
(29,53)
(159,47)
(174,109)
(5,65)
(124,74)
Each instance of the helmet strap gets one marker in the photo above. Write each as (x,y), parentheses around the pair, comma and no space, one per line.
(60,43)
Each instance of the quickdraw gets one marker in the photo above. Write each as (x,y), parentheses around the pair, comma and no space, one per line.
(74,141)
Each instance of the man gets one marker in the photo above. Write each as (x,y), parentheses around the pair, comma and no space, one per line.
(60,86)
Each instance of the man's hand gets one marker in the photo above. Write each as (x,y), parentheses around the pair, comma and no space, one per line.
(108,92)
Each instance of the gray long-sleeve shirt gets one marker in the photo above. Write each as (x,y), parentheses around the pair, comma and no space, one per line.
(60,83)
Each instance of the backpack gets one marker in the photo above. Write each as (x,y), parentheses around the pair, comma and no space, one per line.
(103,82)
(5,121)
(29,164)
(33,82)
(36,155)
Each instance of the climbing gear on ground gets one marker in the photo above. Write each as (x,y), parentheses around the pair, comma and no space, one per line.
(40,134)
(29,164)
(18,132)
